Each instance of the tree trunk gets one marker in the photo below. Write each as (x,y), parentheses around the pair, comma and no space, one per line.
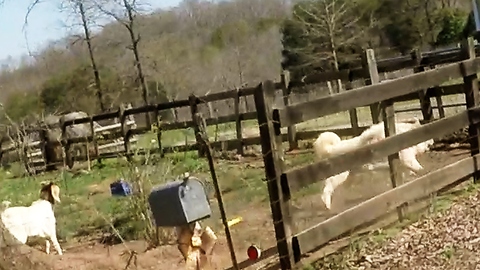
(141,76)
(88,39)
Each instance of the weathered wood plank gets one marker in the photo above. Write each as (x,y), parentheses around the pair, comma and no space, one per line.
(272,158)
(423,98)
(311,238)
(447,90)
(227,94)
(370,65)
(301,112)
(194,110)
(238,123)
(105,116)
(210,121)
(388,114)
(302,177)
(352,113)
(433,107)
(440,106)
(472,98)
(287,91)
(143,109)
(436,57)
(322,77)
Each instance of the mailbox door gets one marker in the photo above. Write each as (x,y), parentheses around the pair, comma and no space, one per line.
(194,201)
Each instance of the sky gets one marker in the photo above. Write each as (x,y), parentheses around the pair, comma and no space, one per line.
(45,23)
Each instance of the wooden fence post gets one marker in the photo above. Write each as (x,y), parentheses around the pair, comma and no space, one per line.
(271,138)
(286,91)
(193,100)
(65,143)
(438,98)
(47,146)
(472,97)
(25,149)
(370,67)
(388,114)
(353,112)
(124,131)
(158,121)
(423,97)
(94,141)
(238,123)
(44,144)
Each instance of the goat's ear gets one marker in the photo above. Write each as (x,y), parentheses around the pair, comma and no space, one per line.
(55,191)
(44,184)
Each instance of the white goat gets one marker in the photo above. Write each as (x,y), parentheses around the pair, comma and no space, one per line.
(329,144)
(37,219)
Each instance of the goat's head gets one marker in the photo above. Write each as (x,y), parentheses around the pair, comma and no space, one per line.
(50,192)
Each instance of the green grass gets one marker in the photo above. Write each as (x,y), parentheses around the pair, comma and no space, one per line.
(82,215)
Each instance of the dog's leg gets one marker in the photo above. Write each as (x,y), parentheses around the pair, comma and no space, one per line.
(330,185)
(408,158)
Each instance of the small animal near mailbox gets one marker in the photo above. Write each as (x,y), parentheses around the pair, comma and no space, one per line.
(179,202)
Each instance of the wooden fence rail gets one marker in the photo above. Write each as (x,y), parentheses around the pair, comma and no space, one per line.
(287,88)
(292,136)
(283,182)
(414,60)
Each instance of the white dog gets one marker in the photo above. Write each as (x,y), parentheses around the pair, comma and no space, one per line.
(328,144)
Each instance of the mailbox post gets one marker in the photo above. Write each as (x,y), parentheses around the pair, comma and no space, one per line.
(182,204)
(179,202)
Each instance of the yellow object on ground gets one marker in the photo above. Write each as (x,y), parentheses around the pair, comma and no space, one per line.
(234,221)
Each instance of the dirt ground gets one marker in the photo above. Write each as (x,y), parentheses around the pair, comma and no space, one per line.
(447,240)
(256,227)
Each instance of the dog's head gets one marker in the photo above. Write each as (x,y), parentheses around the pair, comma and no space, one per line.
(50,192)
(324,143)
(425,146)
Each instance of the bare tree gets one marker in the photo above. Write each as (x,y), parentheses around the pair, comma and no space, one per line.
(85,12)
(125,13)
(329,25)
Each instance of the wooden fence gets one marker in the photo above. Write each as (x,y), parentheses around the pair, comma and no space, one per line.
(291,245)
(32,152)
(416,60)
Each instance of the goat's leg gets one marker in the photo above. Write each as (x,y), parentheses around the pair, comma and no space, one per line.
(56,245)
(408,158)
(47,246)
(330,185)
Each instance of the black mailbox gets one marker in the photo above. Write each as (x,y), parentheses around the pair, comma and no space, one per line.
(179,202)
